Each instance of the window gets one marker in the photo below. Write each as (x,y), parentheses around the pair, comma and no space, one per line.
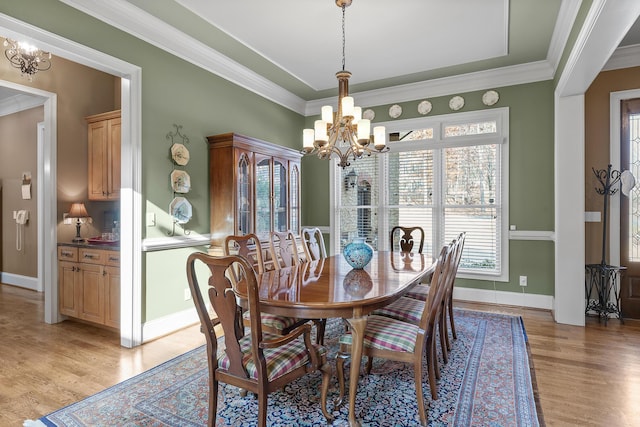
(447,174)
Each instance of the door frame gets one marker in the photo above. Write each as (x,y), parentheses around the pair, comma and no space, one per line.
(131,176)
(614,158)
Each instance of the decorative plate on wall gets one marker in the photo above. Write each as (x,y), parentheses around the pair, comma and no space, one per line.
(180,210)
(424,107)
(490,97)
(395,111)
(180,181)
(180,154)
(456,103)
(368,114)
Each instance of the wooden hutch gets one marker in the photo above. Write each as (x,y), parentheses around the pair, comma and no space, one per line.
(254,187)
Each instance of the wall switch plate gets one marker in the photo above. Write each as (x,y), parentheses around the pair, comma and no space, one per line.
(187,294)
(523,280)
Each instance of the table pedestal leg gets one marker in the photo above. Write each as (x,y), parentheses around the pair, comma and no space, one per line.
(358,326)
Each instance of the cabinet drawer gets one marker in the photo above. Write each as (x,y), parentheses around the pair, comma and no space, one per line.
(112,258)
(93,256)
(67,253)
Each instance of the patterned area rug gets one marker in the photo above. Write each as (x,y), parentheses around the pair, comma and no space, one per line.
(487,382)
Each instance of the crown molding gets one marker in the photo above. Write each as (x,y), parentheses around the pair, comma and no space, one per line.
(133,20)
(480,80)
(16,103)
(624,57)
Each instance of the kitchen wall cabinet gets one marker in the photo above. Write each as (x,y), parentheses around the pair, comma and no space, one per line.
(104,134)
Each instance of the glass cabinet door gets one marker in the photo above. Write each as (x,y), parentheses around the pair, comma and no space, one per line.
(244,219)
(280,195)
(263,197)
(294,199)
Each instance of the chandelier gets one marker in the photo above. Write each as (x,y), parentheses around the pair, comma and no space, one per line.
(346,129)
(28,58)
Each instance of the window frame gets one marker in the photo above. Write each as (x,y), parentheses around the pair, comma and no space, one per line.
(439,142)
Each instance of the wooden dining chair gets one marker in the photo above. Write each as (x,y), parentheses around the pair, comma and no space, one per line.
(388,338)
(313,244)
(409,308)
(284,253)
(259,362)
(404,239)
(283,248)
(249,247)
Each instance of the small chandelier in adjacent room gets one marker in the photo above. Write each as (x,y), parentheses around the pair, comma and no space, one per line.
(346,129)
(28,58)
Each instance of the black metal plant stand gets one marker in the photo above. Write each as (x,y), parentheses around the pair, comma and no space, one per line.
(602,281)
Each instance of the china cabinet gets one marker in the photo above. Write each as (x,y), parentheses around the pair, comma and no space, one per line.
(254,187)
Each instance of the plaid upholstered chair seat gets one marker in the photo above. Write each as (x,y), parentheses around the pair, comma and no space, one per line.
(420,292)
(274,323)
(280,360)
(385,333)
(405,309)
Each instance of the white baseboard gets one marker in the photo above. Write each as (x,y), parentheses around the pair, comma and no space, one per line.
(20,281)
(167,324)
(505,298)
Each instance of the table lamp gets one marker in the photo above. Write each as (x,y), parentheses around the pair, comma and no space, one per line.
(78,211)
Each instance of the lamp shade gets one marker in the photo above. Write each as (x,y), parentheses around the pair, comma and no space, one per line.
(78,211)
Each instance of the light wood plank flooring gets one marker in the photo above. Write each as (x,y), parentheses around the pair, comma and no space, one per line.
(586,376)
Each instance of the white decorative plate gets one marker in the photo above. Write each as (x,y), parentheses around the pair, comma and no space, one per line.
(395,111)
(490,97)
(424,107)
(180,154)
(368,114)
(456,103)
(180,181)
(180,210)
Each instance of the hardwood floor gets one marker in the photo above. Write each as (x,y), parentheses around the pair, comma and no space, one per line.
(586,376)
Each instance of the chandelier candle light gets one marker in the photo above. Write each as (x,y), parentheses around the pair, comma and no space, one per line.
(345,129)
(28,58)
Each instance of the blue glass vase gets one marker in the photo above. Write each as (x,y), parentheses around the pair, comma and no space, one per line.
(358,253)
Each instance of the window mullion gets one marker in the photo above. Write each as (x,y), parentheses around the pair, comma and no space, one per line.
(438,202)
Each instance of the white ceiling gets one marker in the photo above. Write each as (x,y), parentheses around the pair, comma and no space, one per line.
(304,37)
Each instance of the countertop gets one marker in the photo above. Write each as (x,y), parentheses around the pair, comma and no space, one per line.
(105,246)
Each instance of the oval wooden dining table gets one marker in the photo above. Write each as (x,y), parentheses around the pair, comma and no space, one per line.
(329,288)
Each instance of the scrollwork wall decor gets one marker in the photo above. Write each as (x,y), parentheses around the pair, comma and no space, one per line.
(180,181)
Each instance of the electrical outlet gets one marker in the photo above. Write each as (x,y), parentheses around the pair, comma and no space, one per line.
(187,294)
(523,280)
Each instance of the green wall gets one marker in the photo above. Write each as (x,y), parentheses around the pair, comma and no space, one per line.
(530,184)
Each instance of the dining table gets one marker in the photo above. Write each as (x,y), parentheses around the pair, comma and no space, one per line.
(331,288)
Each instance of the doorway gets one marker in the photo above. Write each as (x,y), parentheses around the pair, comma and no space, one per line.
(131,182)
(630,209)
